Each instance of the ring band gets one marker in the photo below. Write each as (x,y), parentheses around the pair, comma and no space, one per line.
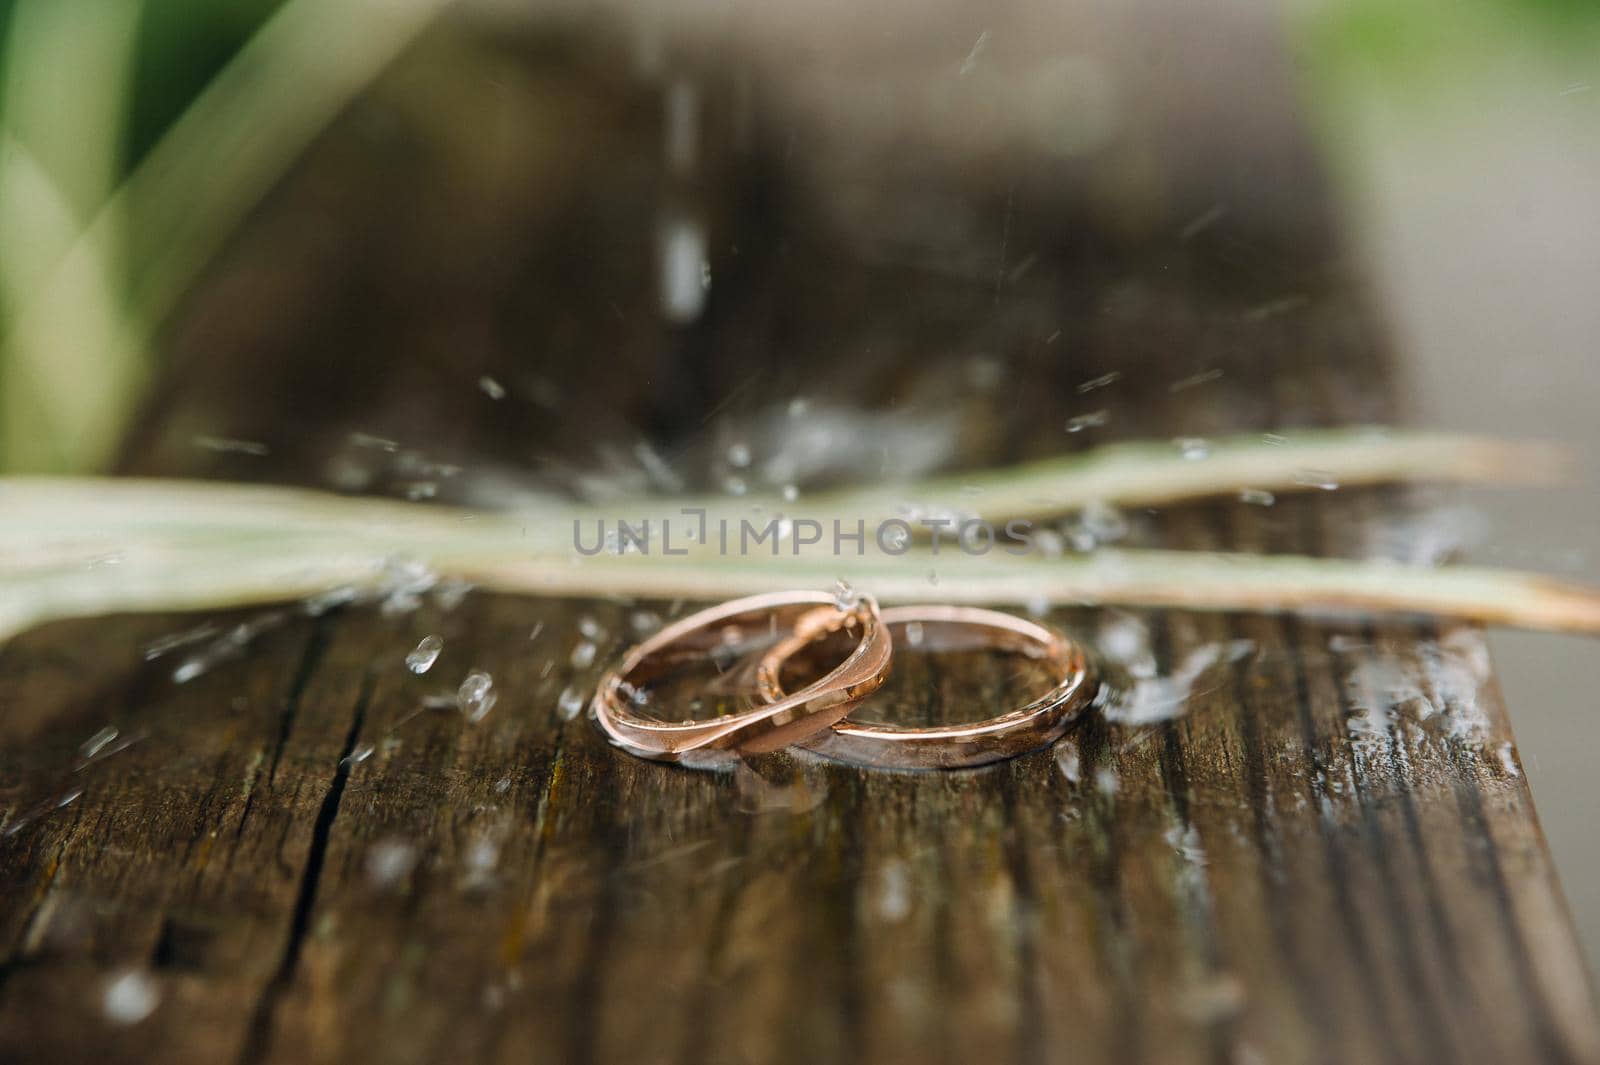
(771,724)
(964,745)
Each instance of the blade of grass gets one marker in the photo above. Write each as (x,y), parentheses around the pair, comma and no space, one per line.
(1151,473)
(1131,474)
(68,64)
(72,548)
(216,162)
(167,572)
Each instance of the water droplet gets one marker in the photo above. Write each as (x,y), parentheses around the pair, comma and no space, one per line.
(644,622)
(845,597)
(229,645)
(390,861)
(1048,543)
(1319,479)
(734,486)
(1274,439)
(739,455)
(798,406)
(227,446)
(476,696)
(790,493)
(96,743)
(1098,523)
(914,634)
(1258,497)
(130,997)
(492,388)
(1192,448)
(661,474)
(591,629)
(892,901)
(480,861)
(1100,382)
(1508,759)
(684,272)
(317,605)
(157,648)
(570,702)
(420,660)
(583,655)
(404,583)
(375,443)
(1106,781)
(451,593)
(1195,380)
(416,491)
(1068,762)
(1092,420)
(358,754)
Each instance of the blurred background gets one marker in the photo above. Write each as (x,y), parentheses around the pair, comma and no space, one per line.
(462,251)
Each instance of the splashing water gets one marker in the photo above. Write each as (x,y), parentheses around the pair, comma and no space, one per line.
(358,754)
(1093,420)
(1094,384)
(480,861)
(130,997)
(892,900)
(229,646)
(569,704)
(476,696)
(1321,480)
(390,861)
(228,446)
(426,653)
(97,743)
(1150,696)
(845,596)
(1068,761)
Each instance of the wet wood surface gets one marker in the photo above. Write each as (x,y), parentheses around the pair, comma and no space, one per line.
(1324,852)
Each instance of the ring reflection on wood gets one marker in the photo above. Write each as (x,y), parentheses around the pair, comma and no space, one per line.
(884,745)
(725,636)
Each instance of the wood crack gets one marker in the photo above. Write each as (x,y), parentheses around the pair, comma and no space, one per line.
(260,1029)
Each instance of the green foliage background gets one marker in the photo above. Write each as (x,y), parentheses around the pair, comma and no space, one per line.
(74,338)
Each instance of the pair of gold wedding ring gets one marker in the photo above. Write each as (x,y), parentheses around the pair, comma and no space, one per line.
(757,637)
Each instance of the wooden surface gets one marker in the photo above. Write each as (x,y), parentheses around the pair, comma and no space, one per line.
(1330,856)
